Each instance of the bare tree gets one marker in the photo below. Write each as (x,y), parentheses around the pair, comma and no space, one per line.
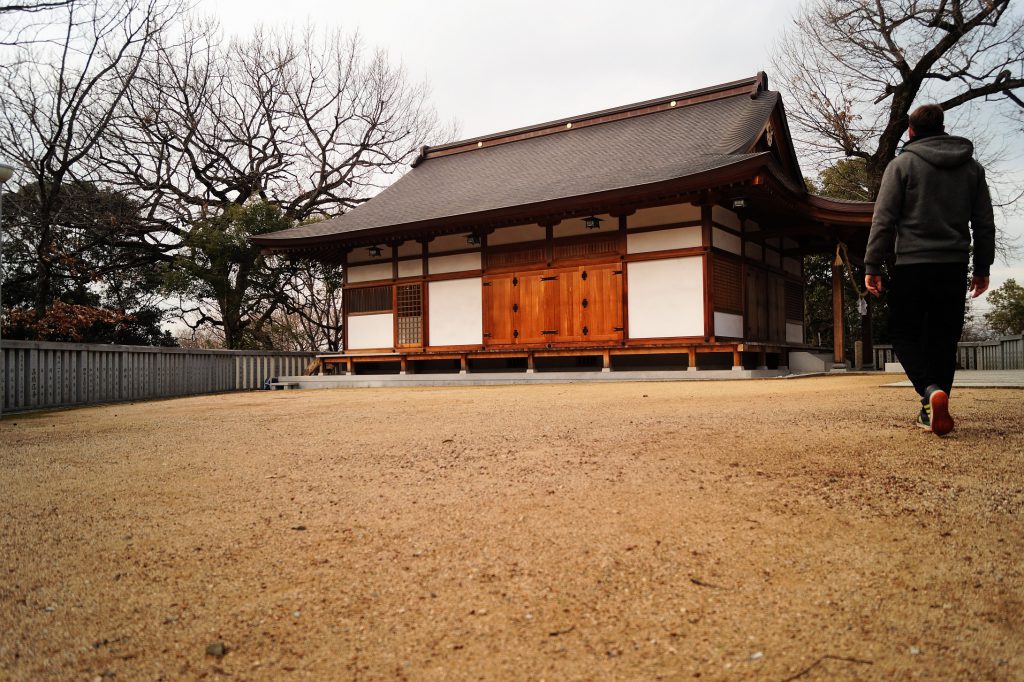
(312,308)
(59,97)
(310,123)
(853,70)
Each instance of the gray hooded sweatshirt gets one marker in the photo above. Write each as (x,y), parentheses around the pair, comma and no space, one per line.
(932,197)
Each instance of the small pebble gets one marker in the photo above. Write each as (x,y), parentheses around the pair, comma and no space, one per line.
(757,655)
(216,649)
(914,651)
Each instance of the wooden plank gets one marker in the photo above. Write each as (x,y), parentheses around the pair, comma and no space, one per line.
(500,313)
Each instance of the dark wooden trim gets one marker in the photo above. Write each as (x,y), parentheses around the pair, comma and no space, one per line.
(371,283)
(837,314)
(549,247)
(666,226)
(394,262)
(426,294)
(457,252)
(462,274)
(623,230)
(378,312)
(707,239)
(663,255)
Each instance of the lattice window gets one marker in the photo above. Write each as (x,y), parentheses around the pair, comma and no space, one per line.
(369,300)
(589,247)
(410,314)
(794,301)
(728,285)
(513,257)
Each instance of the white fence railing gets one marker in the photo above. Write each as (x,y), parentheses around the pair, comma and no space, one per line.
(1006,352)
(37,375)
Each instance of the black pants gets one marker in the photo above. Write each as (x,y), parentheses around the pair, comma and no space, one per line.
(926,318)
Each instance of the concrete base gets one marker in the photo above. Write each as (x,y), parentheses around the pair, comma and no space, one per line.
(503,378)
(805,362)
(894,368)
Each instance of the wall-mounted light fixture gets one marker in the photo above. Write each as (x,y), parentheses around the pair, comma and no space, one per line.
(473,240)
(592,222)
(374,251)
(738,204)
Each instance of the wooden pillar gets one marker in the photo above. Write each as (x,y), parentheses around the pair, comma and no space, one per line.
(737,359)
(691,359)
(529,363)
(405,365)
(837,313)
(606,361)
(463,364)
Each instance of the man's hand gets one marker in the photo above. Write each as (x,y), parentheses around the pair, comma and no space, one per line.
(873,283)
(979,285)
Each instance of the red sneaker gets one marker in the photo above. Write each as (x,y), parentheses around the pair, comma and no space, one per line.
(942,422)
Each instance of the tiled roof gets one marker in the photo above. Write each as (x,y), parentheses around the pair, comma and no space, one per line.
(616,149)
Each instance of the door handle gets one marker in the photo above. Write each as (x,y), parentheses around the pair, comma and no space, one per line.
(549,331)
(549,279)
(515,307)
(585,303)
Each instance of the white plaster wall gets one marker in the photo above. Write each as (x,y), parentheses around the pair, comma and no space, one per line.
(410,248)
(573,227)
(772,258)
(456,312)
(450,242)
(794,333)
(410,268)
(726,240)
(728,324)
(663,215)
(439,265)
(516,235)
(371,331)
(663,240)
(753,250)
(666,298)
(791,265)
(368,273)
(724,216)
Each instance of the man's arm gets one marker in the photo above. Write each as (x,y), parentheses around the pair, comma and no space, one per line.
(888,209)
(983,228)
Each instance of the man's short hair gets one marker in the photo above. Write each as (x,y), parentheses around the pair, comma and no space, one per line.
(927,119)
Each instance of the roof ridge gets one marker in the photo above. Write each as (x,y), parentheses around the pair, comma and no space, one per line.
(752,86)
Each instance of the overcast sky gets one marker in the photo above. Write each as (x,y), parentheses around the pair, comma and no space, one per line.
(493,65)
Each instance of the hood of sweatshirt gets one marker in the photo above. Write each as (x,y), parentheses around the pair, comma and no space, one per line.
(943,151)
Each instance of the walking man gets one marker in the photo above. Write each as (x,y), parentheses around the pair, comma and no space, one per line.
(932,198)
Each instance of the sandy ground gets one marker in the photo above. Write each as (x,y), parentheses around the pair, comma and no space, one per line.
(779,530)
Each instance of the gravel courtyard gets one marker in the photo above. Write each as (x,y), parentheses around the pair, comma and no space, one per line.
(779,530)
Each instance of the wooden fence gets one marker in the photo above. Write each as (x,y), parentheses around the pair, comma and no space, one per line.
(38,375)
(1006,352)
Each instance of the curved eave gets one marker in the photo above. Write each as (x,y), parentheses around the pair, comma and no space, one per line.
(844,212)
(741,171)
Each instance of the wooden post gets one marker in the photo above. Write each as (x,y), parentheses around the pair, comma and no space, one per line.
(463,364)
(737,359)
(837,314)
(606,361)
(405,365)
(691,359)
(530,368)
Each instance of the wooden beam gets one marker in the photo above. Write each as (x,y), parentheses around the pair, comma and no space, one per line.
(837,314)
